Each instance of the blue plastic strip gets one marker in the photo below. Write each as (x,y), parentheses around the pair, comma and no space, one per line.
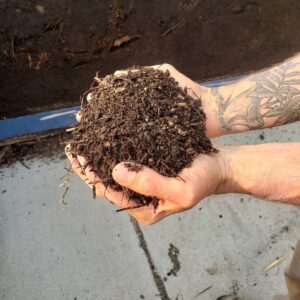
(38,122)
(219,82)
(60,118)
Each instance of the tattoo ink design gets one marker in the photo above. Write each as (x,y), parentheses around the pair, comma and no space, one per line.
(275,94)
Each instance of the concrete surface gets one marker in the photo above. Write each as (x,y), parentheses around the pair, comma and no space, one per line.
(85,252)
(228,240)
(90,252)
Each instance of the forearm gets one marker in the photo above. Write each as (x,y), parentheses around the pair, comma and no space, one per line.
(265,99)
(271,171)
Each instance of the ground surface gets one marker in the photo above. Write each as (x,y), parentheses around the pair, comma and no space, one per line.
(90,252)
(49,53)
(50,50)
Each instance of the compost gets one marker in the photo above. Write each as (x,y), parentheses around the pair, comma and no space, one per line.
(141,117)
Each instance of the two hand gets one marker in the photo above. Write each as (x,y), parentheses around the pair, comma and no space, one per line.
(206,176)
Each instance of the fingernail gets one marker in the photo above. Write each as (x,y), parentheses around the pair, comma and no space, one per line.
(68,147)
(122,175)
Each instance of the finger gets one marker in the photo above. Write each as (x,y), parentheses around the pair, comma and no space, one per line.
(120,73)
(148,182)
(91,179)
(124,72)
(81,160)
(183,81)
(144,214)
(76,166)
(89,97)
(78,116)
(87,175)
(117,198)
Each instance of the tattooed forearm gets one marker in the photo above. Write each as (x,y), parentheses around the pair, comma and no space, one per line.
(265,99)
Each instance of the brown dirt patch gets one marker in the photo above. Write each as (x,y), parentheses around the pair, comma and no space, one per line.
(49,50)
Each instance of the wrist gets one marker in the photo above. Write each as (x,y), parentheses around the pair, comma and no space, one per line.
(210,105)
(253,169)
(227,171)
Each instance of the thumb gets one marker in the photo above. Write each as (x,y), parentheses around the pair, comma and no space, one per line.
(146,181)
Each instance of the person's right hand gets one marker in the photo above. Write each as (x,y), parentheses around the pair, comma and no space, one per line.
(206,176)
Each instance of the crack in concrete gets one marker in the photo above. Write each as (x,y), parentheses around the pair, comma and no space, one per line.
(156,276)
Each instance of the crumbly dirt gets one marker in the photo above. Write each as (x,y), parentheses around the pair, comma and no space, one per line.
(49,50)
(50,146)
(173,254)
(140,117)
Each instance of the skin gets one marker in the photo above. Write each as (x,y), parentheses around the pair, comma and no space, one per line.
(271,171)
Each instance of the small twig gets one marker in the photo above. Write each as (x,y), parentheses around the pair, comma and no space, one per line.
(169,168)
(3,151)
(62,200)
(202,292)
(94,187)
(22,163)
(30,62)
(70,129)
(12,53)
(274,264)
(105,193)
(67,183)
(179,178)
(180,22)
(130,207)
(94,191)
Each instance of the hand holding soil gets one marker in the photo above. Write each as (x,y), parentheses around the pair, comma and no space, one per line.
(162,126)
(203,178)
(156,159)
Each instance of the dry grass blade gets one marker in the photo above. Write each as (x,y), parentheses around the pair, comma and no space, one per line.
(203,291)
(169,30)
(124,39)
(70,129)
(66,182)
(274,264)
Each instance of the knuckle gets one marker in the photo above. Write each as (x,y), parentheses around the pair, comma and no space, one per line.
(149,187)
(167,66)
(147,222)
(190,198)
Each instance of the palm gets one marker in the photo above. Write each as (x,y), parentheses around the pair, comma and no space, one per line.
(198,181)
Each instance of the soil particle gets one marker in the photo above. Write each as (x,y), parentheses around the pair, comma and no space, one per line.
(212,270)
(133,167)
(141,117)
(173,254)
(262,136)
(39,148)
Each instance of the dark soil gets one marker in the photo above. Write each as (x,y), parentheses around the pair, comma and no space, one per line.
(49,50)
(47,147)
(173,254)
(142,117)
